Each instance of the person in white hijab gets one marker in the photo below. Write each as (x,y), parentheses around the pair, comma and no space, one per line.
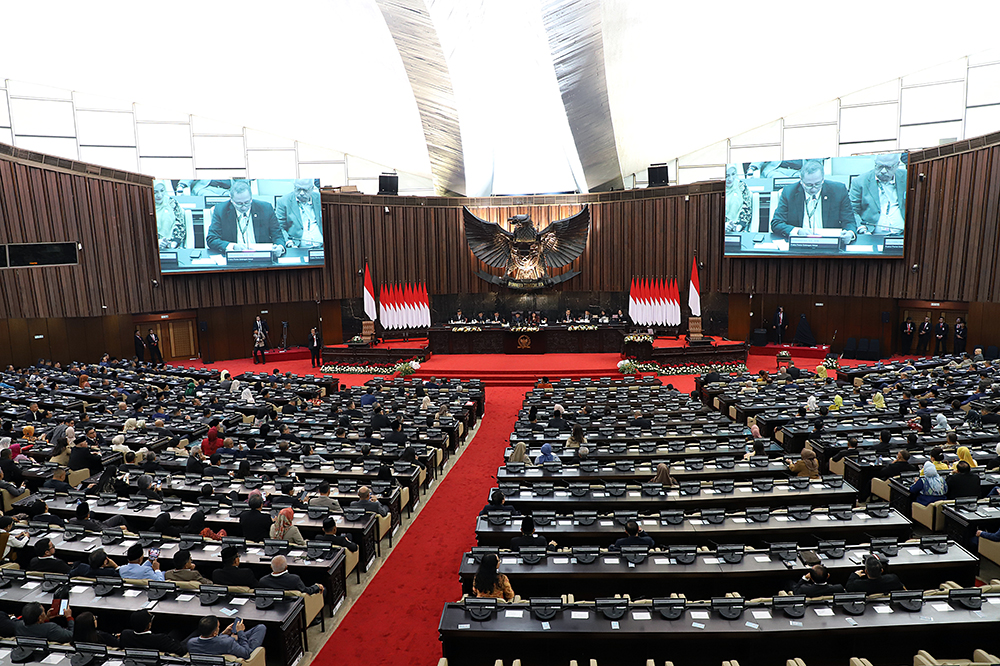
(235,386)
(940,422)
(247,396)
(5,443)
(70,436)
(171,223)
(426,402)
(812,404)
(130,425)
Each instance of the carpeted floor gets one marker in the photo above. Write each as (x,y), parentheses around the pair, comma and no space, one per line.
(394,623)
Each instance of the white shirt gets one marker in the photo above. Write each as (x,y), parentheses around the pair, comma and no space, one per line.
(812,212)
(244,228)
(891,218)
(312,232)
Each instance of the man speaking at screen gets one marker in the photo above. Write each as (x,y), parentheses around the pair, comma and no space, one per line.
(300,215)
(878,197)
(813,204)
(243,223)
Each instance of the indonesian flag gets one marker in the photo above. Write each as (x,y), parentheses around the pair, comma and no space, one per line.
(633,307)
(661,301)
(675,301)
(694,297)
(411,306)
(386,302)
(426,304)
(672,301)
(644,302)
(369,295)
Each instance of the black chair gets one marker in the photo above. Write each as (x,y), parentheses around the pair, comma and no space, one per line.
(862,349)
(992,353)
(874,353)
(851,348)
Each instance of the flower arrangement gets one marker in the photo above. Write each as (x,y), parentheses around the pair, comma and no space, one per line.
(524,329)
(466,329)
(639,337)
(629,367)
(582,327)
(357,338)
(407,368)
(359,369)
(831,362)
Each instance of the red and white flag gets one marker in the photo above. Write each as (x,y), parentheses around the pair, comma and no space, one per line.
(370,309)
(426,306)
(633,302)
(674,305)
(694,295)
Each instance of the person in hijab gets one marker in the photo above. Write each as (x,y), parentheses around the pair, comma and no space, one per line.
(821,371)
(755,429)
(930,487)
(283,528)
(426,403)
(812,404)
(28,433)
(803,334)
(546,455)
(235,386)
(878,401)
(838,403)
(941,422)
(520,454)
(409,455)
(759,449)
(163,526)
(807,465)
(247,396)
(965,455)
(385,474)
(171,223)
(211,443)
(130,425)
(739,203)
(663,475)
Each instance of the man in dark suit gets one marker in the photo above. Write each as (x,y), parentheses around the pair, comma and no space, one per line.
(81,457)
(45,558)
(243,222)
(906,335)
(140,346)
(35,622)
(366,502)
(280,579)
(153,344)
(315,344)
(141,635)
(963,483)
(528,536)
(878,197)
(813,204)
(923,335)
(255,525)
(779,325)
(940,337)
(634,536)
(896,467)
(330,534)
(230,573)
(816,583)
(300,215)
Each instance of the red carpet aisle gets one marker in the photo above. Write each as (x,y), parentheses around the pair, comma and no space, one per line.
(394,623)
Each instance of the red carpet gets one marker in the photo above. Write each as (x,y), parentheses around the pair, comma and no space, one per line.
(681,342)
(510,370)
(394,623)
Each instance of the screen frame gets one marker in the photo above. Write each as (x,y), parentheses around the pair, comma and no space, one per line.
(879,256)
(223,270)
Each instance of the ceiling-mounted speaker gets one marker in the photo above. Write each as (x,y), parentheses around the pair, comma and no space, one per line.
(659,176)
(388,184)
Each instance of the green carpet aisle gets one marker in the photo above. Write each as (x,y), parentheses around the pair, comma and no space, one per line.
(395,621)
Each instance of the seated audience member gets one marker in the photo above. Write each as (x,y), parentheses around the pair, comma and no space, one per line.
(283,528)
(196,462)
(520,454)
(852,448)
(962,482)
(150,465)
(546,455)
(184,569)
(528,536)
(489,582)
(576,439)
(83,518)
(35,621)
(330,534)
(15,540)
(366,502)
(86,631)
(235,640)
(937,457)
(965,455)
(557,421)
(816,583)
(82,457)
(898,466)
(929,488)
(634,536)
(57,482)
(147,488)
(873,579)
(140,635)
(255,524)
(322,498)
(130,466)
(663,475)
(807,465)
(230,573)
(45,558)
(11,488)
(641,421)
(99,565)
(498,503)
(281,579)
(138,567)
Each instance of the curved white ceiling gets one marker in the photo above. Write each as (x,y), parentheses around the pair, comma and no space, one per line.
(531,114)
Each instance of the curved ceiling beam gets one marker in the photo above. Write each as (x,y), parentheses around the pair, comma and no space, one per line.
(574,30)
(416,39)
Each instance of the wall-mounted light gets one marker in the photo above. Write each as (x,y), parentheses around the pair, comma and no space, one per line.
(920,177)
(914,268)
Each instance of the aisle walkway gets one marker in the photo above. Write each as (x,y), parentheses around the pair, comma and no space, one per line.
(395,621)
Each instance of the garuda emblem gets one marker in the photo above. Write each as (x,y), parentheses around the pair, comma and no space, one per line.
(525,253)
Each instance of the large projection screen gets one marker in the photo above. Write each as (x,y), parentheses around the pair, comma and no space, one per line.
(227,225)
(826,207)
